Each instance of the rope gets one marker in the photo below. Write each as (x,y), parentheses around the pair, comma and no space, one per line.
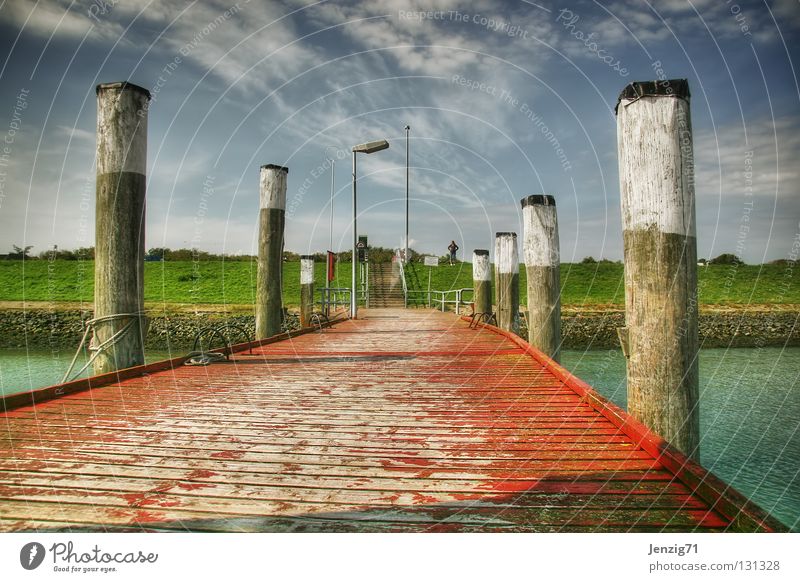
(204,358)
(104,346)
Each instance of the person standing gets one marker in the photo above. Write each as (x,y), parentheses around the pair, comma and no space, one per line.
(452,248)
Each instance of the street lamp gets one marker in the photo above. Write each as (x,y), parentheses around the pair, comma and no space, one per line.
(364,148)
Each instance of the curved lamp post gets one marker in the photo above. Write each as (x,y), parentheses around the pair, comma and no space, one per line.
(364,148)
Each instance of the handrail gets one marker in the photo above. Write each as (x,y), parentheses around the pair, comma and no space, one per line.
(365,283)
(330,298)
(458,301)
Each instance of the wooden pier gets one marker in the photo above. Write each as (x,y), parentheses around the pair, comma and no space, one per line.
(404,420)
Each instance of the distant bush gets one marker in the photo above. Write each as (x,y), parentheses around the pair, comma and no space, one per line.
(726,259)
(20,253)
(588,261)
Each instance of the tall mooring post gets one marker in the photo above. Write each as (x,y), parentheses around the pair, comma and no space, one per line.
(506,280)
(119,226)
(541,254)
(306,289)
(272,220)
(656,168)
(482,281)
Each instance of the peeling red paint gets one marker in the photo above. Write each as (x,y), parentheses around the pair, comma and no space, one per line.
(425,426)
(227,455)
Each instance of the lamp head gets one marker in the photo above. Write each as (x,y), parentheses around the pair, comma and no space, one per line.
(371,147)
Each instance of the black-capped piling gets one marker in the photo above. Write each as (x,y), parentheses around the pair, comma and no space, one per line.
(541,256)
(482,281)
(272,221)
(119,226)
(306,289)
(656,169)
(506,280)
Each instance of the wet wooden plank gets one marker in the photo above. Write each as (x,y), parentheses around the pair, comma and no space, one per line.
(409,421)
(153,506)
(142,490)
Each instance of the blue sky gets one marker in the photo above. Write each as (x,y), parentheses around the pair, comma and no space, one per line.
(505,99)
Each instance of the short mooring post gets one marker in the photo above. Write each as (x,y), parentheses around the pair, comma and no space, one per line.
(481,281)
(119,226)
(506,280)
(306,289)
(272,219)
(654,135)
(540,244)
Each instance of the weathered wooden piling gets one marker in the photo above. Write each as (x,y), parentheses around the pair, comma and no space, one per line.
(506,280)
(306,289)
(482,281)
(541,255)
(119,226)
(272,219)
(656,168)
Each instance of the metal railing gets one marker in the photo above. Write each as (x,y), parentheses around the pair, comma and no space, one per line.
(363,285)
(333,297)
(440,299)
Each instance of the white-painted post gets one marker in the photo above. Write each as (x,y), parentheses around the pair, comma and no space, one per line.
(272,221)
(306,289)
(656,169)
(541,252)
(482,281)
(119,224)
(506,279)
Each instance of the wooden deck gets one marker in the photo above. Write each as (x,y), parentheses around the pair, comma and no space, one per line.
(400,421)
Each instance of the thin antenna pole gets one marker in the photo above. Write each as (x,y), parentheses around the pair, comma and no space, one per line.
(408,129)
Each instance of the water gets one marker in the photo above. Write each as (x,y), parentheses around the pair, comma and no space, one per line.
(22,370)
(749,410)
(749,417)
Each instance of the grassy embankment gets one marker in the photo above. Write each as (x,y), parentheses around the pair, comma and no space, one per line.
(233,283)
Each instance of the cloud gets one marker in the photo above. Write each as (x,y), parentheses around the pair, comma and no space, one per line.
(60,19)
(78,134)
(252,45)
(651,22)
(747,187)
(768,150)
(248,45)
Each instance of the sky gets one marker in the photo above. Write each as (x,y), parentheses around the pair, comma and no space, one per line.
(504,99)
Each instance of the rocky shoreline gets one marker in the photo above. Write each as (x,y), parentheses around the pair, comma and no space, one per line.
(739,328)
(63,328)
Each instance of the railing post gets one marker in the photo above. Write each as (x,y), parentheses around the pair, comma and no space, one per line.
(306,289)
(540,244)
(506,277)
(482,281)
(272,220)
(119,223)
(656,170)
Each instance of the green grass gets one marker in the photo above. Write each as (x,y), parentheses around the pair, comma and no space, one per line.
(602,283)
(233,282)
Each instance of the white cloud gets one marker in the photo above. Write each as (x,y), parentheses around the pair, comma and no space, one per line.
(60,18)
(747,188)
(721,159)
